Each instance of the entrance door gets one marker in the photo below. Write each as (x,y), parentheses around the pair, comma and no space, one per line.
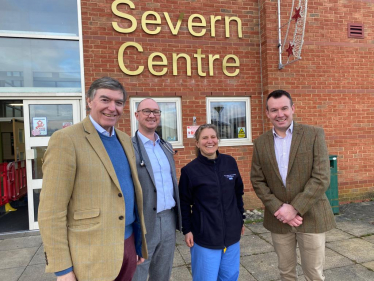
(42,118)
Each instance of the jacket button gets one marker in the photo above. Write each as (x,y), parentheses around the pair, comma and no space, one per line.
(154,209)
(121,217)
(119,194)
(154,190)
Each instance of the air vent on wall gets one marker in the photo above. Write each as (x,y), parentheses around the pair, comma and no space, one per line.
(355,30)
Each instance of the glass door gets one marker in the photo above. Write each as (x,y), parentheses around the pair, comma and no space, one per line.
(42,118)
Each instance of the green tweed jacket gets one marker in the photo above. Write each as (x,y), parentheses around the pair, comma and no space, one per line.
(308,178)
(82,211)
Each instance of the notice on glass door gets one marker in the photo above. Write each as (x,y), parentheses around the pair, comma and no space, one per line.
(39,126)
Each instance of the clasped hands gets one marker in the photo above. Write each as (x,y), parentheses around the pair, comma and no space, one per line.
(288,214)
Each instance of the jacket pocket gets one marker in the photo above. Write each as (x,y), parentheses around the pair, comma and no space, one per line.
(85,219)
(86,214)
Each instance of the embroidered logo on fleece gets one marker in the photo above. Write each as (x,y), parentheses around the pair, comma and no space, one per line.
(230,177)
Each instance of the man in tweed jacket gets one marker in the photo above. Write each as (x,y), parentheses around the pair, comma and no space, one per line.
(290,174)
(91,207)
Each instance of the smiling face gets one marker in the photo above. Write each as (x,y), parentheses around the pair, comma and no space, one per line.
(147,124)
(106,107)
(208,143)
(280,112)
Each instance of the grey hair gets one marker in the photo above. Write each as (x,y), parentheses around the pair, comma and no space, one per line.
(105,83)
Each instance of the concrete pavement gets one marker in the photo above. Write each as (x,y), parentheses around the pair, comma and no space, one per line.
(349,252)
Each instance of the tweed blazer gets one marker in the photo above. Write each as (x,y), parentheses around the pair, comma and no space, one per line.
(308,178)
(147,182)
(82,211)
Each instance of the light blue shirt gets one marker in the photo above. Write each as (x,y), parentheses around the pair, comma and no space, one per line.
(100,129)
(282,147)
(161,172)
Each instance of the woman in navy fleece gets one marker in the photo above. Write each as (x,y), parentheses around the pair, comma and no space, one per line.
(211,195)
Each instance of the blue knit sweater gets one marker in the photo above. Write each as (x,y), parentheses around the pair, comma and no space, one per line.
(121,166)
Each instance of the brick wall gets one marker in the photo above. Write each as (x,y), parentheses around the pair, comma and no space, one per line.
(332,85)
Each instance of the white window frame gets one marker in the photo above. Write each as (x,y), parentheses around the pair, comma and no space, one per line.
(178,104)
(35,92)
(233,142)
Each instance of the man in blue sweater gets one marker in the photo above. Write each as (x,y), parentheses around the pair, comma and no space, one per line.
(91,207)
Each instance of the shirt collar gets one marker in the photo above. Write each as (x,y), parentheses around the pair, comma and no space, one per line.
(100,129)
(289,130)
(144,139)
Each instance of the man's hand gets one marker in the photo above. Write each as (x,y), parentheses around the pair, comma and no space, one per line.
(139,260)
(286,213)
(67,277)
(189,239)
(297,221)
(243,228)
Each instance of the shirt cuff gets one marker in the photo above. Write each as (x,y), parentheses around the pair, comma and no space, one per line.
(63,272)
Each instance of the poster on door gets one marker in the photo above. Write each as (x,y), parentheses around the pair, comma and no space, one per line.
(39,126)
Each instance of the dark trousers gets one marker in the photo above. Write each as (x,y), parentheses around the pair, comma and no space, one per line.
(129,260)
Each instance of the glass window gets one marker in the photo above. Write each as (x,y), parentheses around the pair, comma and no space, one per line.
(45,119)
(170,128)
(39,63)
(37,162)
(57,16)
(11,108)
(232,118)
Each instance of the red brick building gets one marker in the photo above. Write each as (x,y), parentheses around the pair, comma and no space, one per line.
(332,85)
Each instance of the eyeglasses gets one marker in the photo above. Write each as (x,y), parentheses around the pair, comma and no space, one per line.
(148,112)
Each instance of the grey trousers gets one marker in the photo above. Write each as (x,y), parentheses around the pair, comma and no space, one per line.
(161,247)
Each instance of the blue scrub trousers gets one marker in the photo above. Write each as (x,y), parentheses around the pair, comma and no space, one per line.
(212,265)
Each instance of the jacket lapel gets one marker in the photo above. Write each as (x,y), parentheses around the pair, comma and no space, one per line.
(271,152)
(296,139)
(145,157)
(96,143)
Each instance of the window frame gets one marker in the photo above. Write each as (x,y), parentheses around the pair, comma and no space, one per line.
(178,103)
(233,142)
(26,92)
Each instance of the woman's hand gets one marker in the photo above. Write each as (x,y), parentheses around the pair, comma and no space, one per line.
(189,239)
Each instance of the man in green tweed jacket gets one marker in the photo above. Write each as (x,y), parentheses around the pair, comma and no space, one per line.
(290,174)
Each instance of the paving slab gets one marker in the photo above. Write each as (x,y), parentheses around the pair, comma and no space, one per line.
(37,273)
(356,228)
(336,235)
(12,274)
(252,244)
(178,260)
(21,242)
(247,231)
(267,237)
(369,265)
(369,238)
(244,275)
(7,235)
(357,211)
(180,238)
(16,258)
(39,257)
(333,260)
(349,273)
(185,253)
(263,267)
(257,228)
(356,249)
(180,274)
